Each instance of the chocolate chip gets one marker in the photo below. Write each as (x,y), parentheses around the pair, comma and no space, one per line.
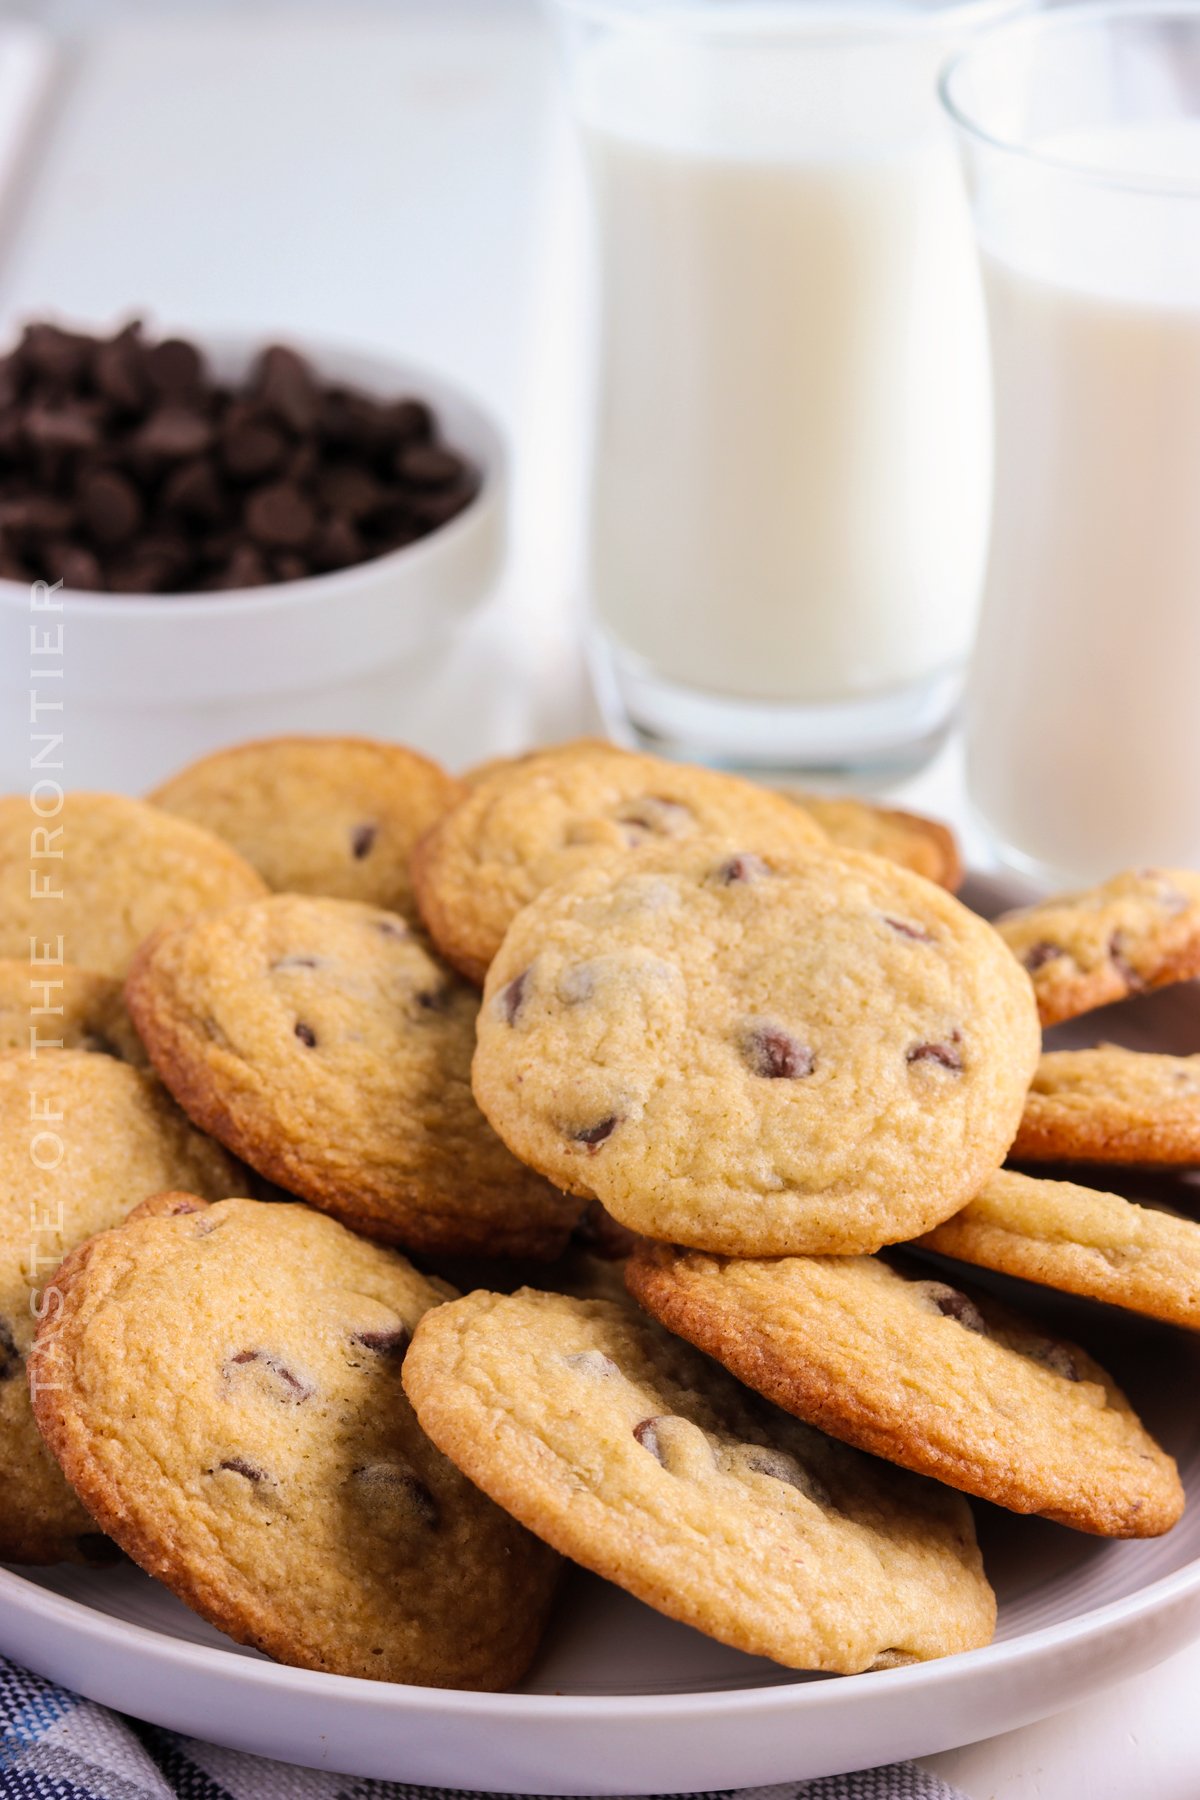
(284,383)
(435,1000)
(511,997)
(595,1363)
(1117,947)
(352,491)
(947,1055)
(182,1204)
(427,466)
(391,928)
(251,445)
(289,565)
(391,1341)
(71,426)
(780,1465)
(153,566)
(306,1034)
(336,545)
(110,507)
(776,1055)
(576,983)
(647,1435)
(907,929)
(35,515)
(361,840)
(289,1386)
(439,508)
(666,818)
(409,421)
(594,1135)
(279,515)
(394,1483)
(246,568)
(238,1465)
(745,867)
(53,355)
(174,367)
(955,1305)
(171,433)
(119,370)
(296,961)
(194,490)
(1039,954)
(1056,1357)
(76,566)
(10,1356)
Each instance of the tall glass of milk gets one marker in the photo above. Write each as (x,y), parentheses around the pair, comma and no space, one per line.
(1081,133)
(790,467)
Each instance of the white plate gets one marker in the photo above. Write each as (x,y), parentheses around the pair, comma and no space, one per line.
(623,1701)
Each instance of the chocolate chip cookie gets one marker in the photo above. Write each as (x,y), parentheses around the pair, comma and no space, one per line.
(272,1473)
(323,1043)
(1110,1105)
(57,1005)
(536,819)
(1140,930)
(1080,1241)
(641,1460)
(101,873)
(912,1369)
(82,1138)
(925,846)
(319,815)
(763,1054)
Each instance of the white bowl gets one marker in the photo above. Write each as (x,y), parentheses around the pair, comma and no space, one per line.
(146,682)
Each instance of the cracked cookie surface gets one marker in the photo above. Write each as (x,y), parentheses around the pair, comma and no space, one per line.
(272,1473)
(323,1043)
(1080,1241)
(1110,1105)
(646,1463)
(319,815)
(1140,930)
(108,1136)
(103,873)
(536,819)
(912,1369)
(758,1054)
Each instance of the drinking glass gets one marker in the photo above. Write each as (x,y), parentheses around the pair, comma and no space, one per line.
(1080,130)
(791,442)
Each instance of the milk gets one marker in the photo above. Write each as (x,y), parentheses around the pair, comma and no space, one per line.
(1084,715)
(792,456)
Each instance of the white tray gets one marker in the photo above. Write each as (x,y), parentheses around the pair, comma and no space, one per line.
(622,1701)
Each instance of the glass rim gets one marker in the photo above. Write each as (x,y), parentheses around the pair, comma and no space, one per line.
(811,21)
(1062,21)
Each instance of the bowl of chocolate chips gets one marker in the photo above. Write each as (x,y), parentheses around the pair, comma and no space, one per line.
(200,536)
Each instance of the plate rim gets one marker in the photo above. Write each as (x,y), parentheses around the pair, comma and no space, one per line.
(213,1659)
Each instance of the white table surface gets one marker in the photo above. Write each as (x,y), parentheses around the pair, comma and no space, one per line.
(402,177)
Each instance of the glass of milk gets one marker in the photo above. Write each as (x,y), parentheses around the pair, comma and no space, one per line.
(790,466)
(1081,134)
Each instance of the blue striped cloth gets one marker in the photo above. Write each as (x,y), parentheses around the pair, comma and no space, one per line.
(54,1745)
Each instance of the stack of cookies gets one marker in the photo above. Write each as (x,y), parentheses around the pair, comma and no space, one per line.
(740,1063)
